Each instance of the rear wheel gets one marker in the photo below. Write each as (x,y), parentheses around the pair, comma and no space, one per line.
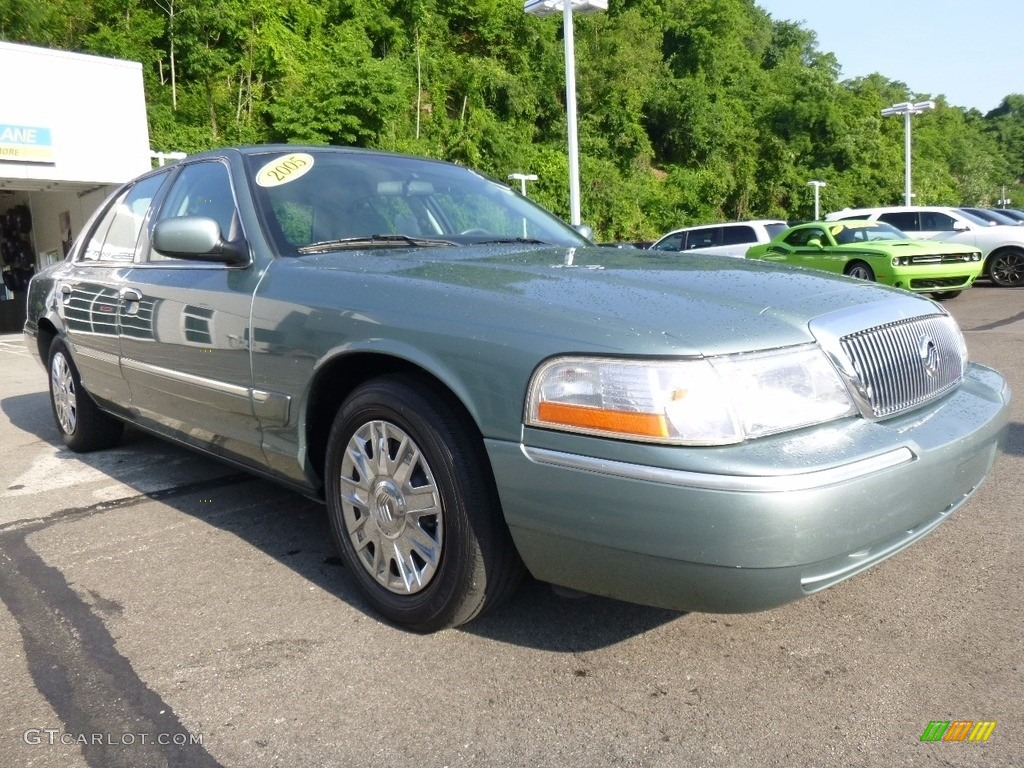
(83,426)
(1006,268)
(413,507)
(860,270)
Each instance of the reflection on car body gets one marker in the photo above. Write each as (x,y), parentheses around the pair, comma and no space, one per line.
(475,391)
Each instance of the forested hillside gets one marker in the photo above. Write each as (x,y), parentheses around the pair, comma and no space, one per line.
(689,110)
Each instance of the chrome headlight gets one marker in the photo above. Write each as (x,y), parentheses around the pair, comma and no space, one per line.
(707,401)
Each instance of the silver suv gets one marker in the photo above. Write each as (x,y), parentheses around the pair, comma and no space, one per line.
(725,239)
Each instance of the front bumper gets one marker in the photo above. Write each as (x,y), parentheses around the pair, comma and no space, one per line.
(931,278)
(750,527)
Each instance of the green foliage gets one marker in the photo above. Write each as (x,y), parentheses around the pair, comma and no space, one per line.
(689,110)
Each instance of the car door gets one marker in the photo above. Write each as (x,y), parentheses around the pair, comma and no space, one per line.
(186,354)
(704,240)
(797,248)
(91,292)
(938,225)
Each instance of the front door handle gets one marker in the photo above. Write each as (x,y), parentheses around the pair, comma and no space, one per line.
(130,298)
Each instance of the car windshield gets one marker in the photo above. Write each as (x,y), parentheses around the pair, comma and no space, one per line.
(995,217)
(865,232)
(973,218)
(331,200)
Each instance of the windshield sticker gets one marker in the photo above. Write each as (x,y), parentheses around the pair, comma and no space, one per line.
(284,169)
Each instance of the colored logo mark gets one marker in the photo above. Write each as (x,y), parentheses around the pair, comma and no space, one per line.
(958,730)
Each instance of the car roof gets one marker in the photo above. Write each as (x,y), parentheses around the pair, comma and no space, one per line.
(725,224)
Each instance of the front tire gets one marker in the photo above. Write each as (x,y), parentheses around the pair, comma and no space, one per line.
(413,507)
(82,425)
(1006,268)
(861,271)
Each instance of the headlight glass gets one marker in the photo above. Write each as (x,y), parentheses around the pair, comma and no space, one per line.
(710,401)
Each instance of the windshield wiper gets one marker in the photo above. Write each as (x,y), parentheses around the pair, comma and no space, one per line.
(512,240)
(367,241)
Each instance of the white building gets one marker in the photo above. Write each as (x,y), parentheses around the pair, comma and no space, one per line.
(72,127)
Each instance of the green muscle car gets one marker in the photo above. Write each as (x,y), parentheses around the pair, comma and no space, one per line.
(475,391)
(874,250)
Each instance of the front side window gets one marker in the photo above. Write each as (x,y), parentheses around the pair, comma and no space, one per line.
(201,189)
(799,238)
(934,221)
(672,242)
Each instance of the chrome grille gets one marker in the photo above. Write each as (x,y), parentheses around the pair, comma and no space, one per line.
(904,364)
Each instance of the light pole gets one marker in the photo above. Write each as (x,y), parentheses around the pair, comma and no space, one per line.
(548,8)
(907,109)
(522,178)
(817,190)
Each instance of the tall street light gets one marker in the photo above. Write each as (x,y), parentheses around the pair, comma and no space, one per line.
(522,178)
(817,190)
(907,109)
(548,8)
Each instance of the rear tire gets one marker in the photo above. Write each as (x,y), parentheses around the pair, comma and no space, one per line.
(82,425)
(414,509)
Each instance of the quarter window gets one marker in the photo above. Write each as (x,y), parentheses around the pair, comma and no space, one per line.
(738,235)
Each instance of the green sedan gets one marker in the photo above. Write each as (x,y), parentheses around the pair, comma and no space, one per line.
(475,391)
(876,251)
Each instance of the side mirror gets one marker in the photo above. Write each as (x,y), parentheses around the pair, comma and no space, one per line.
(584,229)
(199,239)
(815,242)
(960,226)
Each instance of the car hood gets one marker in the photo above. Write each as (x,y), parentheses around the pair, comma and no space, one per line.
(599,299)
(910,247)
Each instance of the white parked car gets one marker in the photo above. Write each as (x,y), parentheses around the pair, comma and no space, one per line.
(1001,245)
(725,239)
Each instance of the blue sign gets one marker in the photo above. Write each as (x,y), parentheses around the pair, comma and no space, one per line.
(25,143)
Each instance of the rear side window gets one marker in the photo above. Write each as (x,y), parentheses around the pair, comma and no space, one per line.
(905,220)
(775,229)
(738,235)
(704,238)
(116,235)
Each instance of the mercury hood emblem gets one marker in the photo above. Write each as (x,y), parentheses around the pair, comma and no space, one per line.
(929,355)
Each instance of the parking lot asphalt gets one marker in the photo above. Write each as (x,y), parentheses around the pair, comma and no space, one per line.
(160,608)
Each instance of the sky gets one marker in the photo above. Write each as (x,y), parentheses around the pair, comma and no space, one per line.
(970,52)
